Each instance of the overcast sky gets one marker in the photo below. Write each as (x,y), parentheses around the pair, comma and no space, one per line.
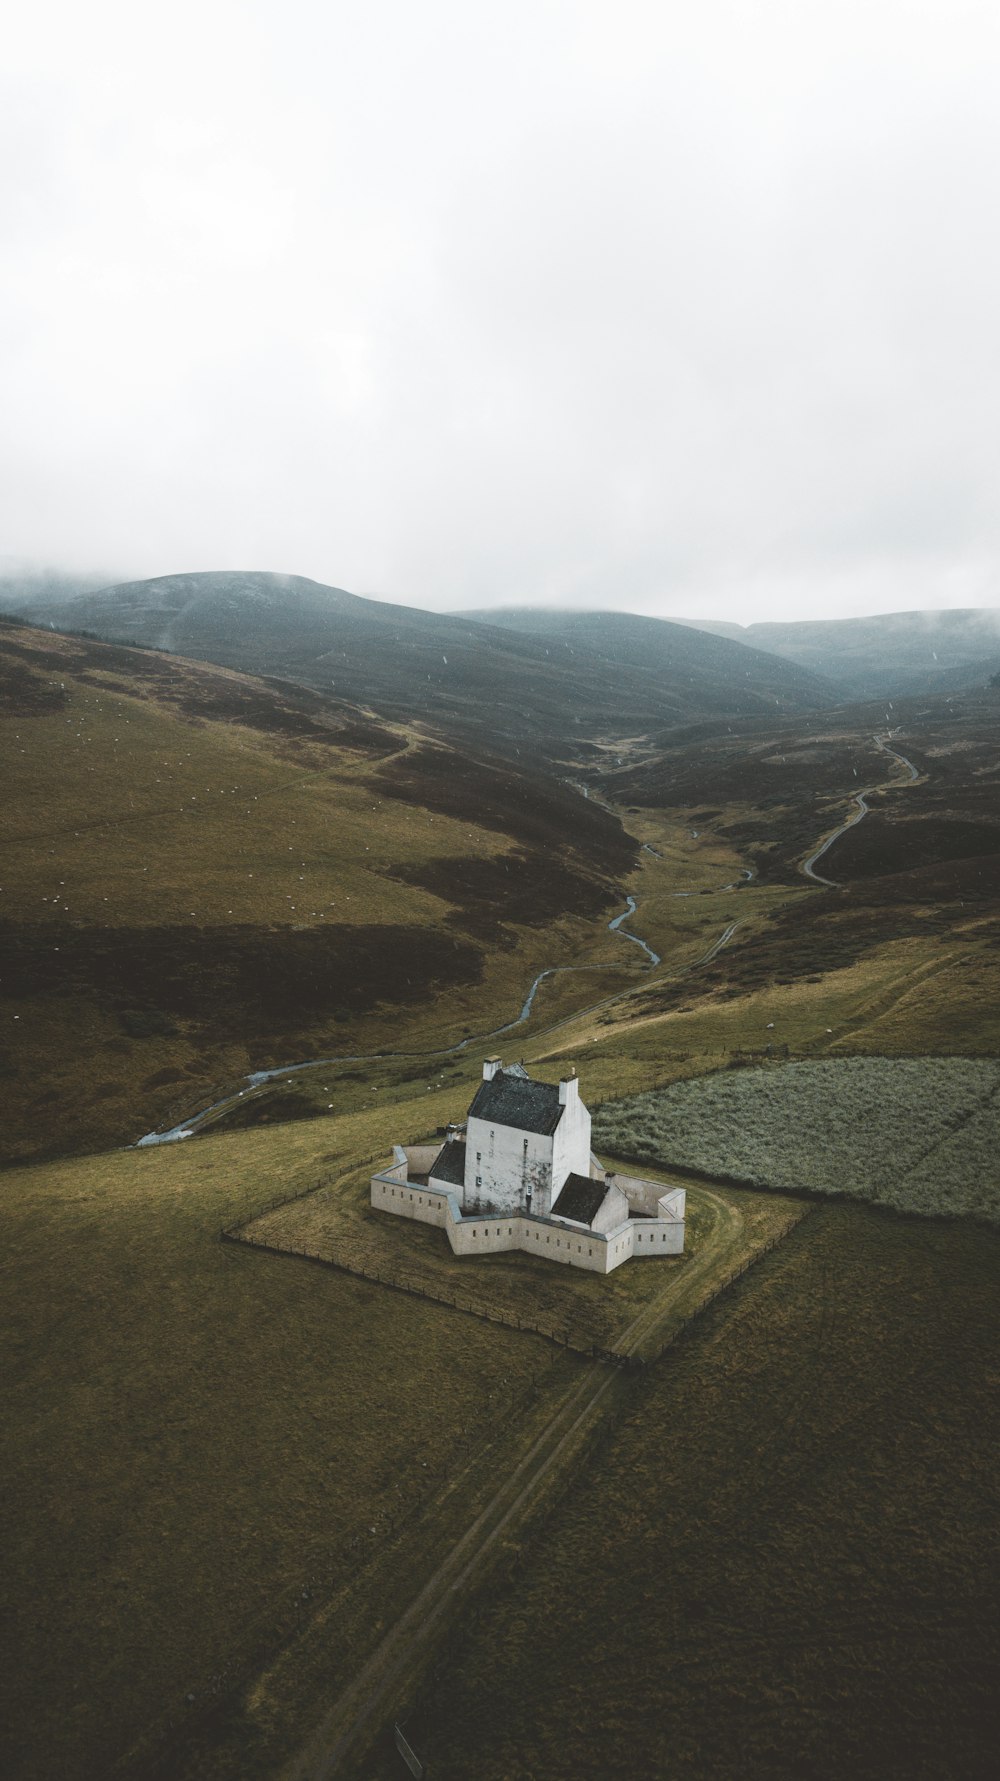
(684,308)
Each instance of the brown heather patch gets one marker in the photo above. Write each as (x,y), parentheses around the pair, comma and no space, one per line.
(531,889)
(536,811)
(234,981)
(25,692)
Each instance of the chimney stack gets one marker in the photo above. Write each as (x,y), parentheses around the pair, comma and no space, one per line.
(490,1068)
(569,1091)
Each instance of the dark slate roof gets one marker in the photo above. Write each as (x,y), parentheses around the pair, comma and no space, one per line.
(518,1101)
(581,1198)
(450,1163)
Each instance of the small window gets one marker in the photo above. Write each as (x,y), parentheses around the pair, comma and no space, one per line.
(525,1141)
(479,1181)
(479,1156)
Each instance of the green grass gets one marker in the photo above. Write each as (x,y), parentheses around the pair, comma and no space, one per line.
(187,895)
(781,1562)
(583,1310)
(198,1439)
(790,1522)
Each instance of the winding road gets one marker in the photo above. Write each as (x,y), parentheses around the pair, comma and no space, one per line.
(860,799)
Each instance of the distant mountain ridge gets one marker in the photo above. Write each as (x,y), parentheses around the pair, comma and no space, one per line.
(512,686)
(893,653)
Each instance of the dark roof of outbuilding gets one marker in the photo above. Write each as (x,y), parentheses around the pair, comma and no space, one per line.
(580,1199)
(449,1164)
(518,1101)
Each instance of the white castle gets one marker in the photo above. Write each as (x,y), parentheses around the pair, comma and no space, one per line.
(520,1174)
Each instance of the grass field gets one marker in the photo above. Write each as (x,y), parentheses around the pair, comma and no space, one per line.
(782,1562)
(228,1472)
(201,1443)
(916,1134)
(585,1311)
(200,1439)
(204,874)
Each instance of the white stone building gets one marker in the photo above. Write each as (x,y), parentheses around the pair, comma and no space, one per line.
(521,1175)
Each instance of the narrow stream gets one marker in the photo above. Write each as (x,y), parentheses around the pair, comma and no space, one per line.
(259,1078)
(616,928)
(186,1128)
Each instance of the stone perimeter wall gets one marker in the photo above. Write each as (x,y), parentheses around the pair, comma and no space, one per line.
(554,1239)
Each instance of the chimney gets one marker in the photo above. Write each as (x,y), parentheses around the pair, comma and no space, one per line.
(490,1068)
(569,1092)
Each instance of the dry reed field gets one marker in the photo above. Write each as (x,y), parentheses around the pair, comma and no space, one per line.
(914,1134)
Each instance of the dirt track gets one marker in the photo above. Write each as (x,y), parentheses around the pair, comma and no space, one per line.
(384,1680)
(808,866)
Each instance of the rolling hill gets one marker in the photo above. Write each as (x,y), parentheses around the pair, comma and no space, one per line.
(499,684)
(205,873)
(722,675)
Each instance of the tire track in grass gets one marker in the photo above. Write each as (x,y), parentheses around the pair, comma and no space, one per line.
(366,1700)
(406,1649)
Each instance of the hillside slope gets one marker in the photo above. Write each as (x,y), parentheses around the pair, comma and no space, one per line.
(732,675)
(206,873)
(498,685)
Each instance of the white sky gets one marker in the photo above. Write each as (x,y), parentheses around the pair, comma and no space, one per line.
(683,308)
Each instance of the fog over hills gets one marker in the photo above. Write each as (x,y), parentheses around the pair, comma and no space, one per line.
(876,657)
(515,685)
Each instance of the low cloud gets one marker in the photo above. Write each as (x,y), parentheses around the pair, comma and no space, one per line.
(683,310)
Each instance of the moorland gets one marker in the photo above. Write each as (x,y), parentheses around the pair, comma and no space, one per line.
(261,1505)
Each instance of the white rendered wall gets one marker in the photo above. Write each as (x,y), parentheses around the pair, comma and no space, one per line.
(507,1163)
(571,1142)
(419,1157)
(613,1210)
(557,1241)
(491,1236)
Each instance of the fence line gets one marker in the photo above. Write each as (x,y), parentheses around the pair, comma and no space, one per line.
(231,1231)
(237,1233)
(491,1314)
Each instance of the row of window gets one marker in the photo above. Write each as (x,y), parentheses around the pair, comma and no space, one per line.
(510,1229)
